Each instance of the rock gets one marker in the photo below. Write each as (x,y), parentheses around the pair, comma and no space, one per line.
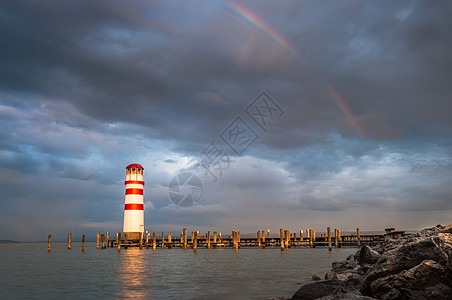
(449,261)
(342,277)
(316,278)
(440,291)
(446,229)
(403,258)
(368,256)
(446,238)
(435,230)
(318,290)
(363,269)
(343,266)
(412,283)
(346,296)
(330,275)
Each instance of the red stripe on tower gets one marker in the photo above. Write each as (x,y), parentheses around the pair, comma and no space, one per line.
(133,206)
(134,191)
(134,182)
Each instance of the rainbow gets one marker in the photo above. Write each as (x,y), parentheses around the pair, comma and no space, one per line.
(255,21)
(334,95)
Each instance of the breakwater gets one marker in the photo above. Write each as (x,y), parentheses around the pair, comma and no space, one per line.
(414,266)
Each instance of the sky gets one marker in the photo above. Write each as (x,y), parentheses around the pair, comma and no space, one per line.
(325,113)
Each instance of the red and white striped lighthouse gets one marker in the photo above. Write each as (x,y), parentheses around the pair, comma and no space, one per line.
(134,205)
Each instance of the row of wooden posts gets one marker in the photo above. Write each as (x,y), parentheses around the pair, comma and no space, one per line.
(286,240)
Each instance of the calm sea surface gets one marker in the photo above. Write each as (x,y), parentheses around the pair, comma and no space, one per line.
(28,271)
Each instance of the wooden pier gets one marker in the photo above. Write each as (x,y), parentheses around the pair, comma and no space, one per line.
(263,239)
(215,240)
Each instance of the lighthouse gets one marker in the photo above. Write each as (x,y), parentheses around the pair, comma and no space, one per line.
(134,205)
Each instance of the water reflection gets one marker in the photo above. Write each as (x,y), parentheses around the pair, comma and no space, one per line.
(132,274)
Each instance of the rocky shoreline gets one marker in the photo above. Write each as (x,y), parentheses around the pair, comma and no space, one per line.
(414,266)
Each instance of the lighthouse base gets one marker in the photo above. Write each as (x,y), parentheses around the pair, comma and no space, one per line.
(132,236)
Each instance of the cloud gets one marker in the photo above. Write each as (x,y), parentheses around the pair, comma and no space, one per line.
(84,94)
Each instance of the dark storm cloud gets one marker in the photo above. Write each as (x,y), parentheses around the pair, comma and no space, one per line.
(126,62)
(87,87)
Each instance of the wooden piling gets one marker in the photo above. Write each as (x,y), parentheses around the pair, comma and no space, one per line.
(301,237)
(268,233)
(259,239)
(185,238)
(69,241)
(336,241)
(309,232)
(147,238)
(238,240)
(233,239)
(281,238)
(328,229)
(98,241)
(195,241)
(153,242)
(169,240)
(208,239)
(103,241)
(108,239)
(163,240)
(140,241)
(83,243)
(313,238)
(214,240)
(48,242)
(287,239)
(358,233)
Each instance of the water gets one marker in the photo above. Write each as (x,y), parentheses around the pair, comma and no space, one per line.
(28,271)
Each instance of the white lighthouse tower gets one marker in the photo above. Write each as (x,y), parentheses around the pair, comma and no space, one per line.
(134,205)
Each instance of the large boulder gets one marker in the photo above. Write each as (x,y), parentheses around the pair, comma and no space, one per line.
(368,256)
(403,258)
(318,290)
(346,296)
(419,282)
